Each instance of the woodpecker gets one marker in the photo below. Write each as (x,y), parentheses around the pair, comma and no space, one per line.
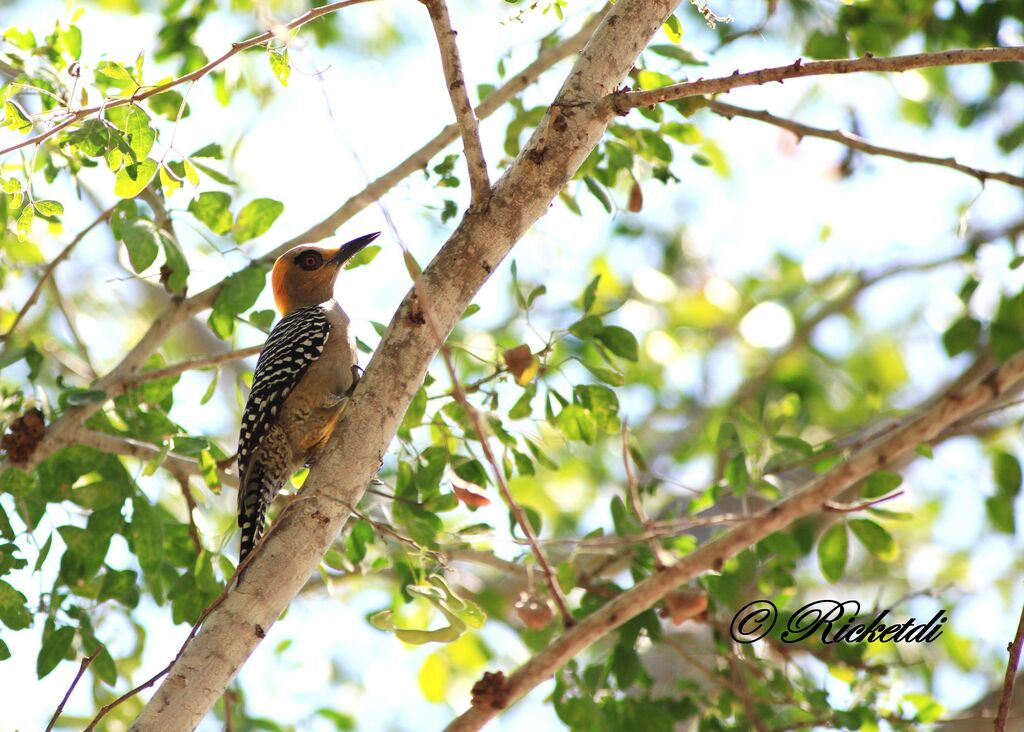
(304,374)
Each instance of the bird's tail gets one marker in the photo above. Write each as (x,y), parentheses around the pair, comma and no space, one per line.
(254,497)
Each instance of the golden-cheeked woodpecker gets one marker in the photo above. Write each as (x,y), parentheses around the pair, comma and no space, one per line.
(304,374)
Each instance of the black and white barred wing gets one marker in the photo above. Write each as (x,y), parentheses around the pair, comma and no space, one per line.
(294,344)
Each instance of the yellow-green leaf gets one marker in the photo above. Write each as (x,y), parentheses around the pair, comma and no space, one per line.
(433,678)
(15,117)
(131,180)
(279,64)
(169,180)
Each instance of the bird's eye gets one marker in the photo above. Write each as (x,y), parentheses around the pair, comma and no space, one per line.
(310,260)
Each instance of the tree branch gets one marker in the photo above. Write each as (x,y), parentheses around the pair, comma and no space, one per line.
(291,552)
(859,143)
(713,554)
(469,127)
(179,466)
(199,73)
(199,362)
(622,101)
(78,676)
(1011,674)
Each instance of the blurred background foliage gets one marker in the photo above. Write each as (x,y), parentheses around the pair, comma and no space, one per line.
(730,308)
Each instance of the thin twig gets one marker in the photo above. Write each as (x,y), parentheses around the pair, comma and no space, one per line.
(856,142)
(199,362)
(857,507)
(48,272)
(81,672)
(469,126)
(229,722)
(179,466)
(661,557)
(1011,675)
(199,73)
(622,101)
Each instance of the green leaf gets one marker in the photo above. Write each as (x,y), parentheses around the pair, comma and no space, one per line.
(471,471)
(135,123)
(22,38)
(212,150)
(590,294)
(176,276)
(211,389)
(532,517)
(241,290)
(28,215)
(608,376)
(655,146)
(880,483)
(190,172)
(13,612)
(55,647)
(647,79)
(587,327)
(962,336)
(279,64)
(255,218)
(832,551)
(15,117)
(521,409)
(17,482)
(113,71)
(827,45)
(69,41)
(131,180)
(602,404)
(83,397)
(49,208)
(169,181)
(1006,469)
(1000,513)
(673,29)
(215,174)
(682,54)
(142,242)
(365,256)
(685,133)
(599,193)
(98,494)
(147,534)
(619,341)
(213,208)
(122,586)
(875,539)
(736,474)
(576,423)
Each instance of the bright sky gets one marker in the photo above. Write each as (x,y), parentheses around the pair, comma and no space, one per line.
(300,150)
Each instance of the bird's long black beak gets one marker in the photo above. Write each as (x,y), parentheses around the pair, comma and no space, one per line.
(348,250)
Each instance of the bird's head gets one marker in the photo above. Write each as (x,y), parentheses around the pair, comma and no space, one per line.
(304,275)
